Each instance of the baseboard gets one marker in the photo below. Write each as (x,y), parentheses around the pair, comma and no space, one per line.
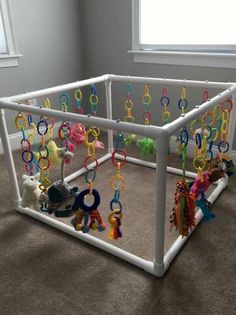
(15,138)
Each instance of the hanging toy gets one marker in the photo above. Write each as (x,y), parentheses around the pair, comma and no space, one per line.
(204,205)
(78,98)
(128,105)
(77,134)
(146,145)
(183,213)
(117,185)
(165,101)
(87,215)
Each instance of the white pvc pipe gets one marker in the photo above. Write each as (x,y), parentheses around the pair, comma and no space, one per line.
(147,131)
(57,89)
(83,170)
(178,244)
(109,248)
(232,124)
(164,81)
(9,158)
(161,161)
(109,114)
(170,169)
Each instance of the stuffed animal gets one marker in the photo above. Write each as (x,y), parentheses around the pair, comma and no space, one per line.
(31,191)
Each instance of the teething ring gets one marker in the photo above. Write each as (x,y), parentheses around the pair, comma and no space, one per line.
(64,98)
(182,103)
(81,198)
(199,161)
(147,99)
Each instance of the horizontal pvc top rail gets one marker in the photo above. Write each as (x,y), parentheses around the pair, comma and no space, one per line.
(165,81)
(57,89)
(147,131)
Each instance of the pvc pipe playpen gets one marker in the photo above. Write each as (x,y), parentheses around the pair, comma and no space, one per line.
(161,135)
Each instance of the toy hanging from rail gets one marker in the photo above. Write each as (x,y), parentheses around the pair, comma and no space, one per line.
(117,185)
(146,145)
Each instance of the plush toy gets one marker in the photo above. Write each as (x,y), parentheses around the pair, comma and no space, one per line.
(31,191)
(77,134)
(147,146)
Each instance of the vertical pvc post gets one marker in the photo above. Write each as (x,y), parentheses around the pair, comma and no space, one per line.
(162,144)
(9,158)
(232,124)
(109,113)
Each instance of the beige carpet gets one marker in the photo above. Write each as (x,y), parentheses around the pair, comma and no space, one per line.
(44,271)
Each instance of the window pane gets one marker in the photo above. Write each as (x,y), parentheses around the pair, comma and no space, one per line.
(188,22)
(3,44)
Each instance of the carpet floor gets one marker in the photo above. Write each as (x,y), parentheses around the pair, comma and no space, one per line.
(44,271)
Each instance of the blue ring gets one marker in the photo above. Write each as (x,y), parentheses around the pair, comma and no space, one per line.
(67,98)
(227,146)
(31,158)
(182,101)
(42,121)
(165,98)
(198,140)
(87,174)
(117,202)
(184,140)
(79,201)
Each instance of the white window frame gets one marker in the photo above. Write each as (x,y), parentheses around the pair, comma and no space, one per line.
(11,58)
(173,55)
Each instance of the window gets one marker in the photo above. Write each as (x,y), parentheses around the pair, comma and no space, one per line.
(8,55)
(186,32)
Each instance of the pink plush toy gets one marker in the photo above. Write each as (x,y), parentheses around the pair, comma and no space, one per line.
(201,183)
(77,134)
(99,145)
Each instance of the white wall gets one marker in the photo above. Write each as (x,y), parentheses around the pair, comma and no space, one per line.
(47,33)
(107,36)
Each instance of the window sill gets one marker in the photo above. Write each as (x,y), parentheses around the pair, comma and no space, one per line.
(216,60)
(9,60)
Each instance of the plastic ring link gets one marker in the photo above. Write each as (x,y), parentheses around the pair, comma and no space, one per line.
(113,157)
(118,179)
(44,168)
(78,95)
(184,136)
(182,103)
(64,98)
(93,176)
(90,157)
(165,101)
(28,145)
(228,101)
(24,121)
(116,203)
(220,146)
(200,161)
(147,98)
(128,104)
(147,115)
(93,99)
(31,156)
(42,122)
